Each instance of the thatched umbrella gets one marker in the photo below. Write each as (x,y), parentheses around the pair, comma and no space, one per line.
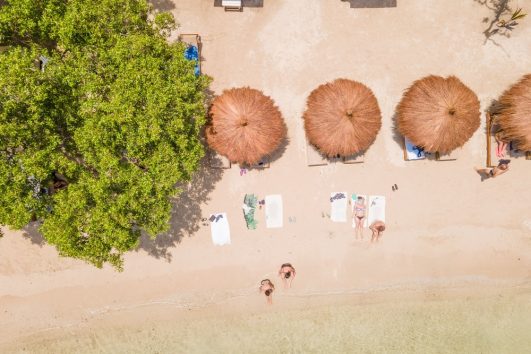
(438,114)
(245,125)
(514,115)
(342,118)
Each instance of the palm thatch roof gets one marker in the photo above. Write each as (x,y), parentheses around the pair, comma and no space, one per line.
(438,114)
(245,125)
(514,115)
(342,118)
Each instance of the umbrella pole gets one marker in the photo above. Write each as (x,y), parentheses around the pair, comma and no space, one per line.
(489,128)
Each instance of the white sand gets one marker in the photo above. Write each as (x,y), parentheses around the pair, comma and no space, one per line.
(445,227)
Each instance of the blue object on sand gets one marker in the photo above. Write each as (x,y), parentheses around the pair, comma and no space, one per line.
(192,53)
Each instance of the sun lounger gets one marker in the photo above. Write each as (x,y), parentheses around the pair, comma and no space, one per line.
(376,208)
(453,155)
(314,157)
(193,49)
(412,152)
(491,142)
(219,229)
(356,158)
(338,206)
(249,207)
(353,199)
(273,211)
(232,5)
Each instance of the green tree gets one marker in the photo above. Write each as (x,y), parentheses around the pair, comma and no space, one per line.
(94,144)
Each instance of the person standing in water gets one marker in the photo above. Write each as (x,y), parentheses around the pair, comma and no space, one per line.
(287,273)
(267,288)
(359,215)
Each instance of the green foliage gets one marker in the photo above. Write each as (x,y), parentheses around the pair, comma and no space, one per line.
(164,23)
(116,112)
(29,21)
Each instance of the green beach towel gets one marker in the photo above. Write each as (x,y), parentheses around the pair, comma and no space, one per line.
(249,206)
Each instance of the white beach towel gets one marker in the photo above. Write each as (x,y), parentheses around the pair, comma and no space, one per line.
(338,206)
(273,211)
(376,208)
(411,152)
(353,199)
(219,228)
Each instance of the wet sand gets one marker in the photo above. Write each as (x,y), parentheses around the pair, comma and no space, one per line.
(450,320)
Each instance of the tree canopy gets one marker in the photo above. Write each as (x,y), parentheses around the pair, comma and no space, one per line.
(95,136)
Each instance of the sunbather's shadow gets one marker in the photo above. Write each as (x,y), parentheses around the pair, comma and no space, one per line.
(186,212)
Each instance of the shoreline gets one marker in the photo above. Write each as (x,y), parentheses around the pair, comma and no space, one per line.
(448,289)
(160,317)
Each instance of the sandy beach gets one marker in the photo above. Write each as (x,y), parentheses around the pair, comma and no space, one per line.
(453,243)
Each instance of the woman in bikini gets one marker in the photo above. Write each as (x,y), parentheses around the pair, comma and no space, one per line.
(359,216)
(267,288)
(494,172)
(287,273)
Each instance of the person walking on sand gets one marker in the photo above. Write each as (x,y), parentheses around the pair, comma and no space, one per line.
(267,288)
(377,228)
(287,273)
(359,216)
(502,167)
